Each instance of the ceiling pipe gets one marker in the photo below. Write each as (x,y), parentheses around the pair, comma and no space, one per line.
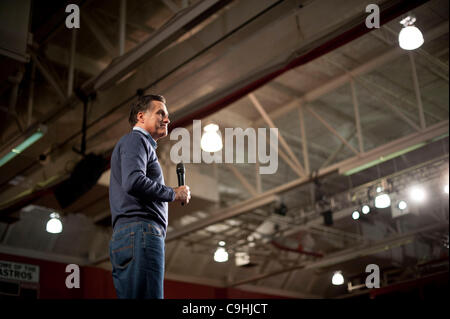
(172,30)
(299,250)
(386,15)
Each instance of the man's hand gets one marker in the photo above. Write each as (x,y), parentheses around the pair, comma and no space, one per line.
(182,194)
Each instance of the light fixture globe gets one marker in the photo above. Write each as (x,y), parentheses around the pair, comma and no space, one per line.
(211,140)
(382,201)
(220,255)
(337,279)
(410,38)
(402,205)
(54,225)
(417,194)
(365,209)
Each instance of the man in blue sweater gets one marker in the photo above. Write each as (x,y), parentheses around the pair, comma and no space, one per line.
(138,200)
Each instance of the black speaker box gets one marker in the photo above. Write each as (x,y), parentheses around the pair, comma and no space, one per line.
(84,176)
(328,217)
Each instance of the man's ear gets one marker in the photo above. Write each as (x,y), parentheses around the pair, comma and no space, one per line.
(139,116)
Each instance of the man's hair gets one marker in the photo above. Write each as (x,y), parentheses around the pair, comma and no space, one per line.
(142,104)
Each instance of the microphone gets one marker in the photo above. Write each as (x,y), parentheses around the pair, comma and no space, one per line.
(180,174)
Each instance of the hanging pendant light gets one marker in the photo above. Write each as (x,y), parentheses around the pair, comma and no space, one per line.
(410,37)
(211,140)
(54,225)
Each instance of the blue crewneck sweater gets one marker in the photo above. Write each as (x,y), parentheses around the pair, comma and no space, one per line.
(136,189)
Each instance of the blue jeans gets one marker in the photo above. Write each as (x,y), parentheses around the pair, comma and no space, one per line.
(137,256)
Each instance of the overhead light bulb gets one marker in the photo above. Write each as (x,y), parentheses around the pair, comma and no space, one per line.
(220,255)
(402,205)
(410,37)
(211,140)
(365,209)
(382,201)
(337,279)
(355,215)
(54,225)
(417,194)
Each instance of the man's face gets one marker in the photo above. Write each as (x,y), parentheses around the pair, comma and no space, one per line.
(155,120)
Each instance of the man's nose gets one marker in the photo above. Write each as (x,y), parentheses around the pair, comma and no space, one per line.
(166,120)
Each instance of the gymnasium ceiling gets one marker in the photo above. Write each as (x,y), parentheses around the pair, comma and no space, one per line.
(303,67)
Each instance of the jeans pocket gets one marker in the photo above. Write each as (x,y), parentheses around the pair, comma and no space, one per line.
(122,250)
(153,230)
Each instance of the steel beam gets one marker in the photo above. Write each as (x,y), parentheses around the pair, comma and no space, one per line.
(13,97)
(337,151)
(135,25)
(389,150)
(304,140)
(157,41)
(417,91)
(82,63)
(242,180)
(270,123)
(354,73)
(52,81)
(368,84)
(258,178)
(331,129)
(98,33)
(357,117)
(268,197)
(30,101)
(349,254)
(73,44)
(122,26)
(287,160)
(172,6)
(393,107)
(318,41)
(435,61)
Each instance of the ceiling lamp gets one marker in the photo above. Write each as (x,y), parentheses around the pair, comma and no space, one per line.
(402,205)
(382,199)
(355,215)
(365,209)
(220,255)
(337,279)
(211,140)
(417,194)
(410,37)
(54,225)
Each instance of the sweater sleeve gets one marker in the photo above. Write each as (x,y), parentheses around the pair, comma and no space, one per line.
(134,157)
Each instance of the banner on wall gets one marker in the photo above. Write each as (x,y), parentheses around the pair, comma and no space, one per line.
(19,272)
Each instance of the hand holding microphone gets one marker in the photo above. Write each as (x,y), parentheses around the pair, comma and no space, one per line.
(182,192)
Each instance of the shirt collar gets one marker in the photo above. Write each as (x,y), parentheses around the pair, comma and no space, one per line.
(152,141)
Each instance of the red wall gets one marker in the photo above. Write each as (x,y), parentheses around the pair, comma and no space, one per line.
(97,283)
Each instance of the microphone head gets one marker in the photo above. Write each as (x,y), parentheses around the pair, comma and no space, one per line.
(180,168)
